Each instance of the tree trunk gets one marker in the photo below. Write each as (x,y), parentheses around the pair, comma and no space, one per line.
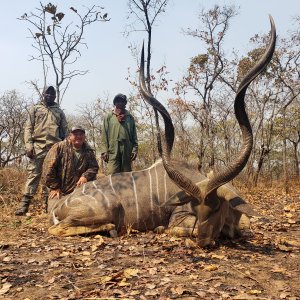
(285,174)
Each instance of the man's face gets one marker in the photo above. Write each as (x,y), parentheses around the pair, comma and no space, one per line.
(120,104)
(49,97)
(77,138)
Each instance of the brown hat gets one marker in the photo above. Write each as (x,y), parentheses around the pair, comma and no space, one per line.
(77,127)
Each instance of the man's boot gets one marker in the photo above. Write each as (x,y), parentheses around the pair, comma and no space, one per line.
(24,205)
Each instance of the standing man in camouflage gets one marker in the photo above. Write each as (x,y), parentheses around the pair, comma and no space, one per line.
(45,126)
(119,138)
(69,164)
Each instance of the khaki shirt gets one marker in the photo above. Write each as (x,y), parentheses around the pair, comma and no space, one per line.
(45,126)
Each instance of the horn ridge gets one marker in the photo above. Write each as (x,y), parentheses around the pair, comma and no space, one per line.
(179,179)
(239,107)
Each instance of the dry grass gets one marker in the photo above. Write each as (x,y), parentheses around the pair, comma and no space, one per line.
(12,180)
(11,187)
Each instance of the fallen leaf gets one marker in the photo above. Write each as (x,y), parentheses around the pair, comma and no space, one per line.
(152,271)
(134,293)
(123,282)
(151,293)
(190,244)
(105,279)
(165,280)
(290,207)
(150,286)
(5,288)
(54,264)
(278,270)
(51,280)
(284,248)
(243,297)
(211,268)
(7,258)
(178,290)
(254,292)
(128,273)
(94,248)
(218,256)
(201,294)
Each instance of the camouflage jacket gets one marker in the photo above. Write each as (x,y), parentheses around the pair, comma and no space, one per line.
(62,168)
(45,126)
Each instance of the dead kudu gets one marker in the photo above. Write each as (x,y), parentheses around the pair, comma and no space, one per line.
(170,194)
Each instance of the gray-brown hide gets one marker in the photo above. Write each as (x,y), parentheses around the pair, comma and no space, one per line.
(132,200)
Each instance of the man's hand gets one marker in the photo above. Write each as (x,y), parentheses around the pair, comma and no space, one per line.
(55,193)
(81,181)
(30,153)
(133,156)
(105,156)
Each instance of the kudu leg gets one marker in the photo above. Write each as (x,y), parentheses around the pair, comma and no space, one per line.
(234,223)
(64,229)
(182,222)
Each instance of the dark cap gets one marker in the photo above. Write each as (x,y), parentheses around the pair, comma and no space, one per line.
(120,97)
(77,127)
(49,88)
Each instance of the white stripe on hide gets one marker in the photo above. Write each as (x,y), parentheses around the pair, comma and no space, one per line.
(111,184)
(151,196)
(136,200)
(157,189)
(104,196)
(54,219)
(165,186)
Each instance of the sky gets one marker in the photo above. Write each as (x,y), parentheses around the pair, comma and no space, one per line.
(108,56)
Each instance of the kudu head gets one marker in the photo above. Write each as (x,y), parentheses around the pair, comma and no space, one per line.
(203,194)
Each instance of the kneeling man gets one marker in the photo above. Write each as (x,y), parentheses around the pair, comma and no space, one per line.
(69,164)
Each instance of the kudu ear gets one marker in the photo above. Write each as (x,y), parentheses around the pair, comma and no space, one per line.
(240,205)
(178,199)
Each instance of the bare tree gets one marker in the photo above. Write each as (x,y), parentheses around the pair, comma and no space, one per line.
(58,46)
(144,13)
(13,116)
(293,134)
(92,116)
(205,71)
(287,71)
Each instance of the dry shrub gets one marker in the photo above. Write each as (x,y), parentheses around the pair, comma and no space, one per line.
(12,181)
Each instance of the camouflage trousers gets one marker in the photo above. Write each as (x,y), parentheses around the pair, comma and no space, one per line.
(35,169)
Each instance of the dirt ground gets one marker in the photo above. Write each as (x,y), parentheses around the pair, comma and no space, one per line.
(264,264)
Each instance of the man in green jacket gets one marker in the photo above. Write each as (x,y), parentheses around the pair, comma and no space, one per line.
(119,139)
(46,125)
